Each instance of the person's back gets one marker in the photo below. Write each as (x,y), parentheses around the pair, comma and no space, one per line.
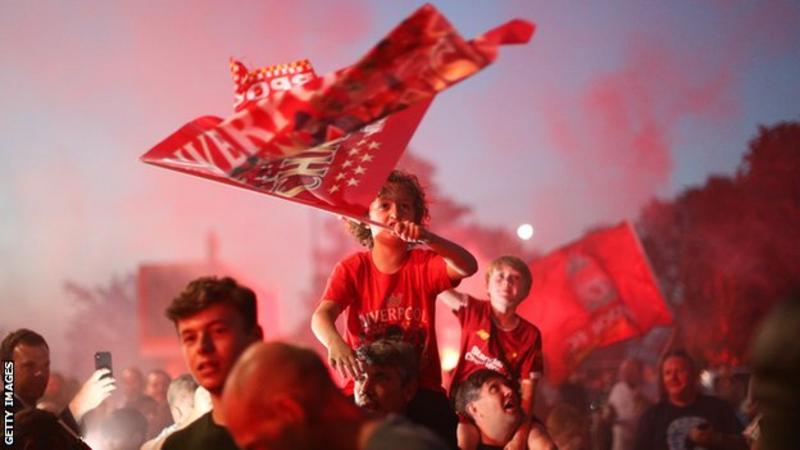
(281,396)
(180,397)
(775,357)
(36,429)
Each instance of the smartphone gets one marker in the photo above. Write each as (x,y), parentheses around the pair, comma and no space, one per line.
(102,360)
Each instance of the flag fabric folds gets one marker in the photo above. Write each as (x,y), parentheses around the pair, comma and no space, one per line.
(590,294)
(330,142)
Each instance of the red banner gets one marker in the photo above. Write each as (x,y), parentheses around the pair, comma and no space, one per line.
(592,293)
(291,129)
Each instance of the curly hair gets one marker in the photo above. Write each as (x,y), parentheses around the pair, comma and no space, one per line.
(397,181)
(207,291)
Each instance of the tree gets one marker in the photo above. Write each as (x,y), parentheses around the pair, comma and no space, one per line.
(723,252)
(105,320)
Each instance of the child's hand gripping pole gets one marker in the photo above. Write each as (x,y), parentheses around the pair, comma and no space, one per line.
(407,231)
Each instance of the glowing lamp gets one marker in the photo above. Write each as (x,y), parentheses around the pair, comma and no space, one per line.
(525,231)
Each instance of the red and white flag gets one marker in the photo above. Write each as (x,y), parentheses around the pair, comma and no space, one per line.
(592,293)
(299,137)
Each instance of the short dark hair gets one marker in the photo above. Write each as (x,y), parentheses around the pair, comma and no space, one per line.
(470,389)
(406,181)
(207,291)
(391,353)
(21,336)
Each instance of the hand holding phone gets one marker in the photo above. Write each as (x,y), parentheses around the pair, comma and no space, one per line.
(102,360)
(96,389)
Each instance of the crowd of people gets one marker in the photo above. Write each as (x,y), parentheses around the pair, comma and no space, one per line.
(242,393)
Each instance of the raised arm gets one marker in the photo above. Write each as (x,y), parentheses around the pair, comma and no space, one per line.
(453,299)
(460,262)
(340,356)
(92,393)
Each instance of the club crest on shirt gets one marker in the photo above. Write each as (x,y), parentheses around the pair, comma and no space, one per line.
(483,334)
(394,300)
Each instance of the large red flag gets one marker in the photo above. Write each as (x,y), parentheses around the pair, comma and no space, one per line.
(299,140)
(592,293)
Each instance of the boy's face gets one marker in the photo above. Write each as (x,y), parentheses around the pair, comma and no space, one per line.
(505,287)
(212,341)
(396,205)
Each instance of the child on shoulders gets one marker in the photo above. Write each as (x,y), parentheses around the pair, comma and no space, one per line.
(494,336)
(390,290)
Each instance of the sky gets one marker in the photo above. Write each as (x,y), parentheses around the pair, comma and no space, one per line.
(610,105)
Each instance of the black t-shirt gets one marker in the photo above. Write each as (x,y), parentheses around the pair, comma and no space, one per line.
(203,433)
(483,446)
(665,426)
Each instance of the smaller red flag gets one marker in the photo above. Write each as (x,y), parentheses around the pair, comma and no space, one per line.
(590,294)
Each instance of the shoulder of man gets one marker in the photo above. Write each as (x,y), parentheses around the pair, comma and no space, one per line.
(398,433)
(724,412)
(181,439)
(355,259)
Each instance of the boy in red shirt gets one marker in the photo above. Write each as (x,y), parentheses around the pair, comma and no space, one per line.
(494,336)
(390,290)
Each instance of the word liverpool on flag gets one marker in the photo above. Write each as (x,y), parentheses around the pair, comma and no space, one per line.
(330,142)
(592,293)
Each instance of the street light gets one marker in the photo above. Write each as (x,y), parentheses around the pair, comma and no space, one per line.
(525,231)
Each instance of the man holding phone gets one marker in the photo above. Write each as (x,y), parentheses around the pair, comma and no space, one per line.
(31,356)
(216,321)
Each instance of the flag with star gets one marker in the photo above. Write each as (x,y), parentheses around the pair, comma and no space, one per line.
(330,142)
(341,176)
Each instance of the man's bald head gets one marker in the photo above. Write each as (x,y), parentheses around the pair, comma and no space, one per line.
(274,393)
